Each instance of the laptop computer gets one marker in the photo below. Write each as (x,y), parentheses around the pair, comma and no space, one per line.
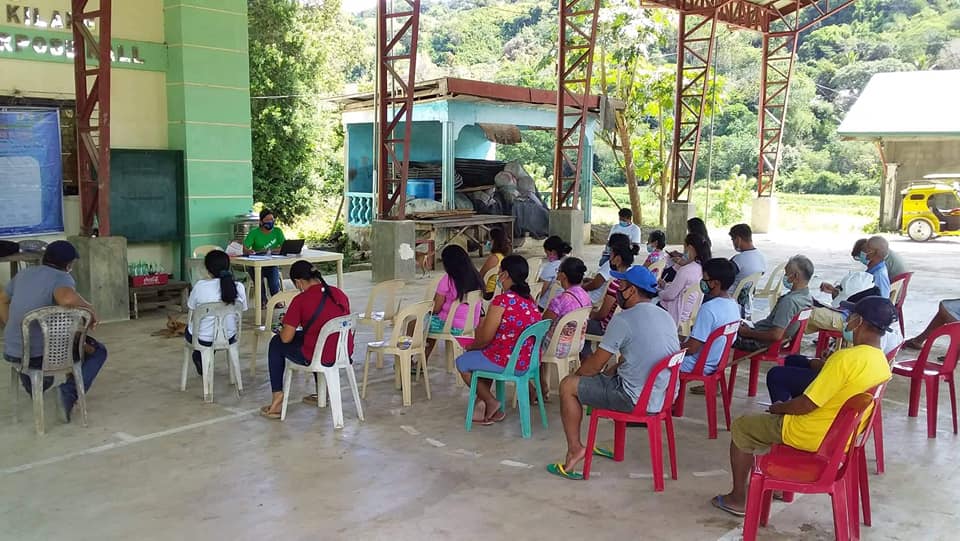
(291,247)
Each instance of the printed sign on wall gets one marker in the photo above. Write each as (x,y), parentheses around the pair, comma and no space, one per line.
(31,175)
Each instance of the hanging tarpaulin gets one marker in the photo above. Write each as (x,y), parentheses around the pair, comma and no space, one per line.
(31,174)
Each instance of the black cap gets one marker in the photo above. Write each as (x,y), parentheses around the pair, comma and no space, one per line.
(61,252)
(875,310)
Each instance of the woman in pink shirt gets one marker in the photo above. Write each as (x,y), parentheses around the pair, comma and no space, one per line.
(573,297)
(689,271)
(461,278)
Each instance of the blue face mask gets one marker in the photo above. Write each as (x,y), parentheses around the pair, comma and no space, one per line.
(787,283)
(704,287)
(624,223)
(684,257)
(862,258)
(268,225)
(847,335)
(487,246)
(650,248)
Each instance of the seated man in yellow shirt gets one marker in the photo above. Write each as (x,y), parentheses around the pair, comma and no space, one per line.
(803,421)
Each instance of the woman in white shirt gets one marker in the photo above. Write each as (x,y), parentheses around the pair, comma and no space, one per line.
(555,249)
(221,287)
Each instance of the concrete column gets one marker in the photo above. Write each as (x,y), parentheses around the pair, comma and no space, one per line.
(890,200)
(447,170)
(764,216)
(101,275)
(678,212)
(568,225)
(393,244)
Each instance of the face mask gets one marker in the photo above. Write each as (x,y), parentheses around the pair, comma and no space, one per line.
(704,287)
(862,258)
(848,335)
(684,257)
(736,247)
(487,246)
(552,257)
(787,283)
(268,225)
(621,301)
(650,248)
(624,223)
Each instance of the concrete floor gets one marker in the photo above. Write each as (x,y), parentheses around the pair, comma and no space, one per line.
(156,463)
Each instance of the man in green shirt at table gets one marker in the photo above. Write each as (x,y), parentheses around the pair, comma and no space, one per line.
(266,238)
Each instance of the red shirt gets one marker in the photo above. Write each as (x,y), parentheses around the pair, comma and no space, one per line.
(518,314)
(302,308)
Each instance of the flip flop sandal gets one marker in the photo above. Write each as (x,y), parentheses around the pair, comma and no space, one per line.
(558,470)
(265,412)
(717,502)
(605,453)
(498,416)
(310,399)
(480,413)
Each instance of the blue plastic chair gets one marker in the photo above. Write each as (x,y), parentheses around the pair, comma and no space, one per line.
(536,332)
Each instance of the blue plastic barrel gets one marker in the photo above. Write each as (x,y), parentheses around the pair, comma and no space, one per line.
(420,188)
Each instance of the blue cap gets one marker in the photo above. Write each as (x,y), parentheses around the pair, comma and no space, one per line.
(875,310)
(61,251)
(639,276)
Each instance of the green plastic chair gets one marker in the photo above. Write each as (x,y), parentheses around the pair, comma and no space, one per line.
(536,331)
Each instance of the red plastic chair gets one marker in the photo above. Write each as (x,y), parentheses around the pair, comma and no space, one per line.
(898,302)
(640,415)
(923,370)
(859,481)
(877,423)
(823,340)
(776,352)
(710,381)
(792,470)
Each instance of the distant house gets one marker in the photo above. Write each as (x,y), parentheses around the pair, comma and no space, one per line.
(915,119)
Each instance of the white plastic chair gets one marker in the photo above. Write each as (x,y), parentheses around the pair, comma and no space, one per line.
(266,330)
(405,348)
(692,298)
(658,267)
(383,296)
(550,355)
(749,281)
(328,377)
(771,291)
(533,264)
(452,348)
(496,289)
(432,286)
(202,251)
(60,328)
(221,342)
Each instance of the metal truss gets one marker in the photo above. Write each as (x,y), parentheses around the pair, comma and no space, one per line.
(398,31)
(578,36)
(779,55)
(694,54)
(91,64)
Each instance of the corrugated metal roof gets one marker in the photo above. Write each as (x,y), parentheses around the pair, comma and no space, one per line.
(906,105)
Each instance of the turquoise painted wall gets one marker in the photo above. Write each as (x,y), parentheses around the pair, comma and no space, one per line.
(473,143)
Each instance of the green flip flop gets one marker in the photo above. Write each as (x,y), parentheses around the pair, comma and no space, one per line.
(605,453)
(557,469)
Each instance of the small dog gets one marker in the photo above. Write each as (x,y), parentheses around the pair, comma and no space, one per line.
(175,327)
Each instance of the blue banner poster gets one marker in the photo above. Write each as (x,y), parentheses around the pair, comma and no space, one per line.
(31,174)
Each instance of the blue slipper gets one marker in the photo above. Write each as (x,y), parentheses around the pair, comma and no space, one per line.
(717,502)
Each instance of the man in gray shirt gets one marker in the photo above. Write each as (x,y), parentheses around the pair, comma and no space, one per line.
(749,261)
(642,334)
(48,284)
(776,326)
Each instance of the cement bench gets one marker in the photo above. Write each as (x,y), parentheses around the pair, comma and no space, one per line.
(152,297)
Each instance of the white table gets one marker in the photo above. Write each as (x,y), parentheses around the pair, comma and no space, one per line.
(257,263)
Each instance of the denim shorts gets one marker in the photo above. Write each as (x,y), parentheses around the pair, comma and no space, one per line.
(604,392)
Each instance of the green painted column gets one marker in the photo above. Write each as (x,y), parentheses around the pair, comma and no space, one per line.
(208,104)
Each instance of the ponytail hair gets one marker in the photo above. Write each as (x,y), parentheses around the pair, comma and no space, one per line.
(304,270)
(518,270)
(626,253)
(574,269)
(558,245)
(217,263)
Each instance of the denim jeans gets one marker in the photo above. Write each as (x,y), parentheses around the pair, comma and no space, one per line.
(790,380)
(277,355)
(92,363)
(272,276)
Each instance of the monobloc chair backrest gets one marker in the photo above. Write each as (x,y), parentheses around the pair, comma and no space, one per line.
(899,283)
(792,346)
(533,264)
(432,286)
(202,251)
(672,363)
(491,273)
(341,326)
(748,284)
(59,328)
(220,312)
(273,305)
(534,332)
(774,285)
(950,330)
(384,293)
(727,333)
(416,312)
(472,300)
(690,302)
(577,318)
(657,267)
(834,450)
(867,422)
